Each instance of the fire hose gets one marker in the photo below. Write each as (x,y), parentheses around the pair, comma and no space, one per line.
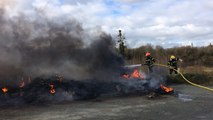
(188,81)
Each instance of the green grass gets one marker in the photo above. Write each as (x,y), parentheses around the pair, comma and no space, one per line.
(195,74)
(193,77)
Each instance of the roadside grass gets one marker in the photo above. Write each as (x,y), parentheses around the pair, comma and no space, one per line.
(196,74)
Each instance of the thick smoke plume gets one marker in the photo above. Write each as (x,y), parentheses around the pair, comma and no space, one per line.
(42,48)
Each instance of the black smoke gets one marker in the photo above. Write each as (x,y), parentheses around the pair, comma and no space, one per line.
(41,47)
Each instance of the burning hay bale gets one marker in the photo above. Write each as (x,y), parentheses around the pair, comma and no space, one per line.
(41,91)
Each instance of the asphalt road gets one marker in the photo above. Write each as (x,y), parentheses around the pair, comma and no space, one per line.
(192,103)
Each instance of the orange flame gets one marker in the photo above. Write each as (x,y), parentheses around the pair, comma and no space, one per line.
(52,89)
(125,76)
(135,74)
(4,89)
(166,89)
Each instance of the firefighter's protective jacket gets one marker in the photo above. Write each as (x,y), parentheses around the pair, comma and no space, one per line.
(173,62)
(150,60)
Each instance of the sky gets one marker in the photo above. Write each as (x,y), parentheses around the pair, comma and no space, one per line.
(168,23)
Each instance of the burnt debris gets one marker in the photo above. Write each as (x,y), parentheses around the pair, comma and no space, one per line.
(38,91)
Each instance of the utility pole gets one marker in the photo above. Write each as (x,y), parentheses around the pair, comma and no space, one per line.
(121,40)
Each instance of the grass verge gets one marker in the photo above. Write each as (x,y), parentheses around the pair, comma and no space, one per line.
(203,79)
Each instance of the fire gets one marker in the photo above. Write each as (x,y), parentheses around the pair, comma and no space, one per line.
(52,88)
(166,89)
(135,74)
(4,90)
(52,91)
(125,76)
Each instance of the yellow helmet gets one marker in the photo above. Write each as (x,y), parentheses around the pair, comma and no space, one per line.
(172,57)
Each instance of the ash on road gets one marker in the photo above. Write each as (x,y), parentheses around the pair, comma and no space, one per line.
(191,104)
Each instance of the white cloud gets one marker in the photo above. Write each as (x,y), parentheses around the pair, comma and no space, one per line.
(130,1)
(164,22)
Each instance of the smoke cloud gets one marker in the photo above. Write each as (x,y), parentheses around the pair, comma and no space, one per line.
(41,47)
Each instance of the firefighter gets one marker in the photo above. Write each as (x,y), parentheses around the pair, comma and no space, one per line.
(173,64)
(149,61)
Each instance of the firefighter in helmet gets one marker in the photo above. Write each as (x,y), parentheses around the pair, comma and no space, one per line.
(173,64)
(149,61)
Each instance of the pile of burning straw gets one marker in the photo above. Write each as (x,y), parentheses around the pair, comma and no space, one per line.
(57,89)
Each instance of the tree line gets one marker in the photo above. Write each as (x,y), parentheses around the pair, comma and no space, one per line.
(191,56)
